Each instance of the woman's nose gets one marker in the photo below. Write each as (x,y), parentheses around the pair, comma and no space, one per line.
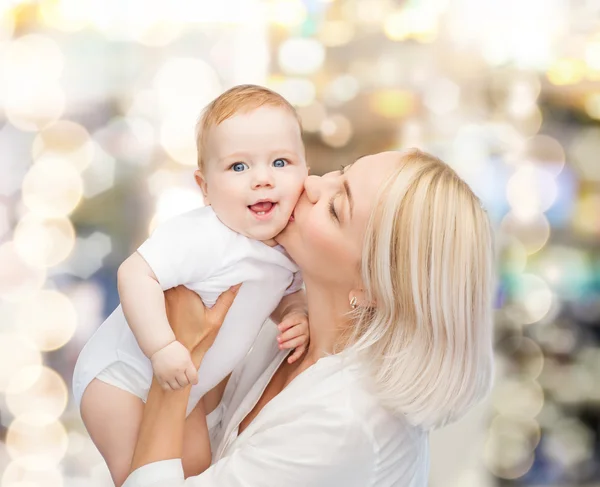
(312,187)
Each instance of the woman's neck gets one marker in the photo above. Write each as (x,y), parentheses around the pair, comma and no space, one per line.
(326,310)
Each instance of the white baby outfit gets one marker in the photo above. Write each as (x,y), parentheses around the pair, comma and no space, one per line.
(197,250)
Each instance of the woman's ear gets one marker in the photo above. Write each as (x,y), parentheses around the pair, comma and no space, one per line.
(201,182)
(358,297)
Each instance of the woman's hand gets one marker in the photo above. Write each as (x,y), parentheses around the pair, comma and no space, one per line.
(194,325)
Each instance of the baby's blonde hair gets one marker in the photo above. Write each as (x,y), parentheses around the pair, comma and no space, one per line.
(239,99)
(428,265)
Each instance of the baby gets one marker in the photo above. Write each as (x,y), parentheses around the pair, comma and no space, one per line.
(251,172)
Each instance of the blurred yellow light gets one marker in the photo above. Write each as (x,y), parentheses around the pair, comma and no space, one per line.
(584,153)
(16,353)
(586,216)
(47,319)
(411,23)
(524,430)
(336,33)
(301,56)
(67,139)
(566,72)
(45,392)
(65,15)
(393,103)
(336,131)
(532,233)
(52,187)
(518,399)
(177,137)
(286,13)
(44,242)
(19,474)
(341,90)
(37,441)
(312,116)
(592,105)
(31,59)
(513,256)
(592,56)
(7,24)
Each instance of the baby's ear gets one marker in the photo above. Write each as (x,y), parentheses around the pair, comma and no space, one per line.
(201,182)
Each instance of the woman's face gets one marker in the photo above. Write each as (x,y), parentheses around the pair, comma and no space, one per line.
(326,234)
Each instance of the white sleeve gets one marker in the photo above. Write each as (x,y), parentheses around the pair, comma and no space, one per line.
(317,449)
(182,250)
(296,285)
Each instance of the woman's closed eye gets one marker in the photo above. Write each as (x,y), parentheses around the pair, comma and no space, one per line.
(332,211)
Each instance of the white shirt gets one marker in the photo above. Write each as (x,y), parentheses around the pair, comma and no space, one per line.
(323,430)
(197,250)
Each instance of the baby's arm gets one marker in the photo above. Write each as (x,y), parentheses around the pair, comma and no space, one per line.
(143,304)
(291,317)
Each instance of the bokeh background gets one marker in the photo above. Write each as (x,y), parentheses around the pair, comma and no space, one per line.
(98,101)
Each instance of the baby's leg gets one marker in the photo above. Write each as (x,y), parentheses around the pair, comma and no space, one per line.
(112,417)
(196,444)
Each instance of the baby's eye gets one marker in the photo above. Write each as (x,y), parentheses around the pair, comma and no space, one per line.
(239,166)
(280,163)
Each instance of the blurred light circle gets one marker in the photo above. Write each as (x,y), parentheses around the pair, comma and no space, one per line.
(414,23)
(67,139)
(7,25)
(16,353)
(52,187)
(299,92)
(18,279)
(566,71)
(532,233)
(341,90)
(19,474)
(523,355)
(587,218)
(530,191)
(523,430)
(186,84)
(129,139)
(312,116)
(36,440)
(159,33)
(178,138)
(592,105)
(31,59)
(65,15)
(392,103)
(534,297)
(47,319)
(301,56)
(569,442)
(335,33)
(530,124)
(32,108)
(175,201)
(545,152)
(442,96)
(513,256)
(44,242)
(336,130)
(592,55)
(45,393)
(287,13)
(518,398)
(584,153)
(523,94)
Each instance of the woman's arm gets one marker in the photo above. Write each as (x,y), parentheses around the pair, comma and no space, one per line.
(161,431)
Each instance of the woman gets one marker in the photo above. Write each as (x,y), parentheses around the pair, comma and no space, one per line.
(396,255)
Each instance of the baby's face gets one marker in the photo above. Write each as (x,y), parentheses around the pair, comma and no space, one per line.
(254,171)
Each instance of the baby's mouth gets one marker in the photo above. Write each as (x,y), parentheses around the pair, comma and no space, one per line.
(262,207)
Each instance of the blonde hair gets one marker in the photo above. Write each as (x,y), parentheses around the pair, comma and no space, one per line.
(428,265)
(239,99)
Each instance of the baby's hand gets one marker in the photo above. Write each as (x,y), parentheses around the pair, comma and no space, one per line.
(294,334)
(173,366)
